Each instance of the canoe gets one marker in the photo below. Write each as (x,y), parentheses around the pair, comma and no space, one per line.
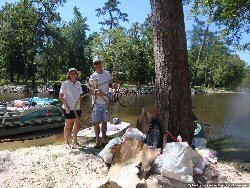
(4,132)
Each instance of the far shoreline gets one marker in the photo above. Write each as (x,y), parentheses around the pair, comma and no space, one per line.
(43,88)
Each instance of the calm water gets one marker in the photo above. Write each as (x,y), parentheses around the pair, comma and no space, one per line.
(227,114)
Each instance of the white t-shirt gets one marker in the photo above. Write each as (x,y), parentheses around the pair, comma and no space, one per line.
(72,92)
(103,81)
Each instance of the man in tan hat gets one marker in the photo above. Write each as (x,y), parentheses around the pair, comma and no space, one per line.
(104,81)
(69,95)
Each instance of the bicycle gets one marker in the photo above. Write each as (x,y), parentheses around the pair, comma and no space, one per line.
(123,96)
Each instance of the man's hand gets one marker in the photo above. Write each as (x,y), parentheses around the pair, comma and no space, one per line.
(115,86)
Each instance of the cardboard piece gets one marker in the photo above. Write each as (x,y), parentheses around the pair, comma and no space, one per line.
(110,184)
(132,162)
(144,120)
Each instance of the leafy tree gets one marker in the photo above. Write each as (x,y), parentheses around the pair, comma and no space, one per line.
(114,56)
(8,46)
(218,67)
(131,52)
(234,16)
(75,49)
(50,57)
(230,73)
(246,79)
(30,23)
(114,14)
(141,35)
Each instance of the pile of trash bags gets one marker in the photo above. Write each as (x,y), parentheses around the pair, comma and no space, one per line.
(177,160)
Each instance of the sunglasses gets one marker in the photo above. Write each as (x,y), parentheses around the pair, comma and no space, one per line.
(96,63)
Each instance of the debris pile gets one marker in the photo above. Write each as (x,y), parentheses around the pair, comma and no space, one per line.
(138,159)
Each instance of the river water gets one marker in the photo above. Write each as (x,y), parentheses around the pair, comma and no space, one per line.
(226,113)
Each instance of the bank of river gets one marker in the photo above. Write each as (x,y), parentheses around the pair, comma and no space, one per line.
(226,113)
(54,165)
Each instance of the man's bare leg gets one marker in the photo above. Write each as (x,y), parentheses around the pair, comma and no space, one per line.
(97,132)
(104,132)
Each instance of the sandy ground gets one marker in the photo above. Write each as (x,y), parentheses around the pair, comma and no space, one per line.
(224,173)
(60,166)
(50,166)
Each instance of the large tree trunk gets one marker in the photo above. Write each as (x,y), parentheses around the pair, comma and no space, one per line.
(173,93)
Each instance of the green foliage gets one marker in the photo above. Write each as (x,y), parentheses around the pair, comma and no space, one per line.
(35,45)
(128,51)
(218,66)
(25,26)
(75,44)
(233,15)
(246,79)
(114,14)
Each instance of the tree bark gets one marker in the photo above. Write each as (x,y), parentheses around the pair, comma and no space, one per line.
(173,92)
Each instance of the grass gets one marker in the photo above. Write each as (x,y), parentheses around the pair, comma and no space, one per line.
(232,150)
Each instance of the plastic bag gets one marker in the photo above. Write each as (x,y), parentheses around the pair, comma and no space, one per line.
(154,134)
(198,163)
(106,153)
(134,133)
(178,161)
(209,155)
(158,163)
(199,167)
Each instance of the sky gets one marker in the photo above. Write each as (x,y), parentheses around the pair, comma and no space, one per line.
(137,11)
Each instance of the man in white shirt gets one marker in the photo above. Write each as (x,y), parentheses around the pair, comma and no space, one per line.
(100,111)
(69,95)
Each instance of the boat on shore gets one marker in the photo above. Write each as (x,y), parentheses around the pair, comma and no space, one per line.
(29,115)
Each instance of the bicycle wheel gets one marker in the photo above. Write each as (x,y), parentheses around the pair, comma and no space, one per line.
(127,97)
(86,116)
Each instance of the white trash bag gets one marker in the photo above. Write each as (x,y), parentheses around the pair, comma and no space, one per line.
(134,133)
(106,153)
(178,161)
(200,166)
(208,155)
(158,163)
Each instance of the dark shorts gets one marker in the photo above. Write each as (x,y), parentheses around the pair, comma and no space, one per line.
(72,115)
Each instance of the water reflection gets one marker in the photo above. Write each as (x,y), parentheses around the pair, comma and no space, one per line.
(29,143)
(228,114)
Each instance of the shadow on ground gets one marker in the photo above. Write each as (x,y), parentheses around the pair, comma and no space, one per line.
(233,149)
